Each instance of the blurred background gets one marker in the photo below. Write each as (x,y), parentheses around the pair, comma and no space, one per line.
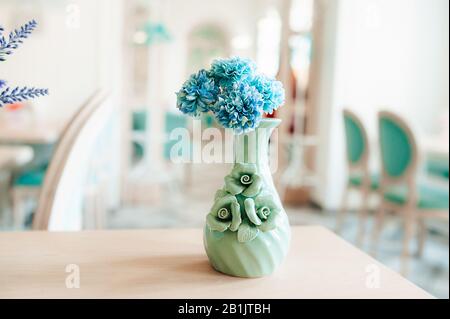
(362,56)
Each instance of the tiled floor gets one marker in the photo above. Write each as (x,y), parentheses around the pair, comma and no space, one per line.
(431,271)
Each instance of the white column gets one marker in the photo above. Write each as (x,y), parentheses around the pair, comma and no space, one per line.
(155,110)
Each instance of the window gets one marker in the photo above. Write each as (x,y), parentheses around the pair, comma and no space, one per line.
(268,45)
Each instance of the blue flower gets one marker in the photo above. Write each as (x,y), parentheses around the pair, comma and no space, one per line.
(232,70)
(239,107)
(198,94)
(2,83)
(235,93)
(271,90)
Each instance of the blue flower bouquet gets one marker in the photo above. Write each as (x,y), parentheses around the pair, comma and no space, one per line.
(234,92)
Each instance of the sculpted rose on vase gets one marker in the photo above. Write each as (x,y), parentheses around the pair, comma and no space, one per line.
(225,214)
(243,180)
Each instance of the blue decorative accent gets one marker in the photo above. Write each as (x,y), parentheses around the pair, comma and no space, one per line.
(198,94)
(156,33)
(229,71)
(239,107)
(271,90)
(7,45)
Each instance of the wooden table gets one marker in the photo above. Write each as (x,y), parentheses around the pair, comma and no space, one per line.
(14,155)
(172,264)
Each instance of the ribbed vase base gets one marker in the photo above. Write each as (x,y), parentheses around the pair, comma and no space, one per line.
(257,258)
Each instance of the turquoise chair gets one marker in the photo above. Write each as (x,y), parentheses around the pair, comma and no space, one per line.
(139,125)
(33,174)
(27,182)
(400,190)
(438,167)
(360,179)
(172,122)
(31,178)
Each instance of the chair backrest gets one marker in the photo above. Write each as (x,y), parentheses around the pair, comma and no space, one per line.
(356,141)
(60,203)
(398,147)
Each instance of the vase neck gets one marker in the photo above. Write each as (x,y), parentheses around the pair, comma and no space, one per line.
(253,147)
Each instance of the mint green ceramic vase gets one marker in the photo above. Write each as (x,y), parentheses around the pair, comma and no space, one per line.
(247,232)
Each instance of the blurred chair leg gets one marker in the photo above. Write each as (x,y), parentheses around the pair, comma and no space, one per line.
(100,215)
(5,201)
(422,236)
(101,206)
(363,217)
(343,212)
(94,207)
(407,237)
(379,221)
(20,197)
(188,167)
(17,209)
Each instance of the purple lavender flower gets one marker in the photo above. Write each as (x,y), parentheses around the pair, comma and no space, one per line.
(9,96)
(7,46)
(16,37)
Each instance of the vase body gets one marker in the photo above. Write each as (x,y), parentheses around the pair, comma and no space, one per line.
(247,233)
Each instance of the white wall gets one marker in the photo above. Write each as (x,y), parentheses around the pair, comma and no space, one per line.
(394,53)
(76,49)
(235,17)
(390,54)
(60,55)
